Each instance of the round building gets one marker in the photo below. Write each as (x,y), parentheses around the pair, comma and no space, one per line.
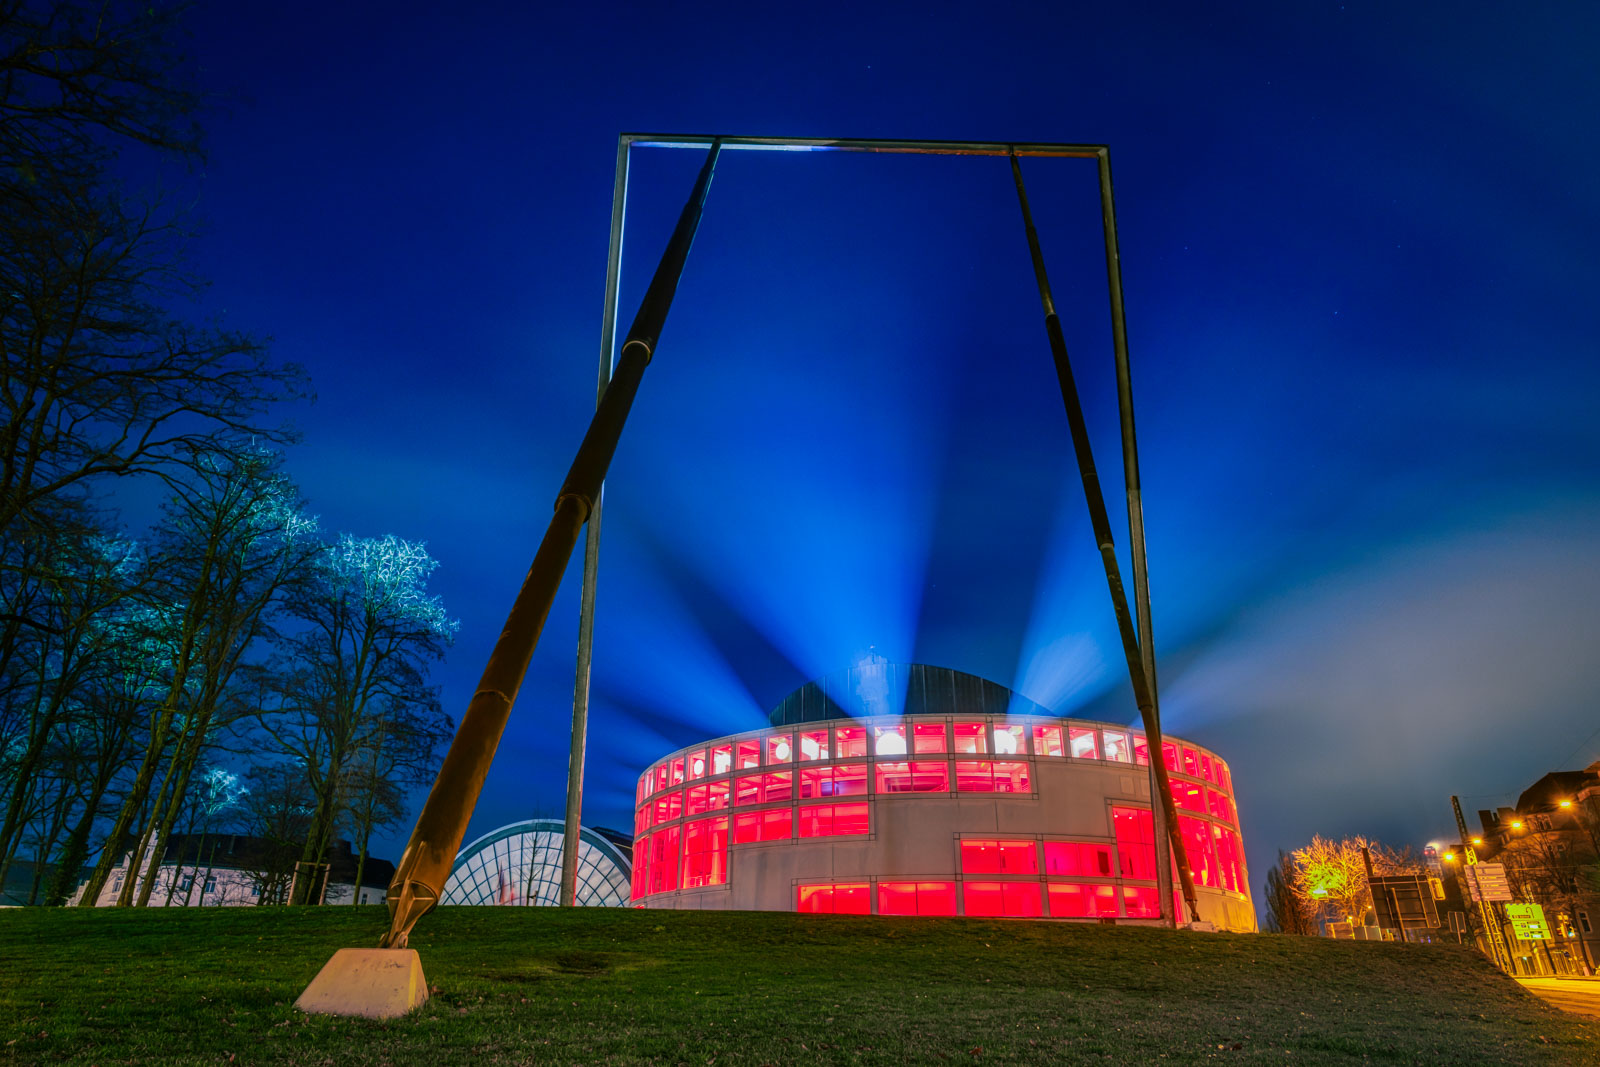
(973,801)
(520,863)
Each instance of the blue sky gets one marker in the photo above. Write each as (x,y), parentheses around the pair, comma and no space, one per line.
(1359,246)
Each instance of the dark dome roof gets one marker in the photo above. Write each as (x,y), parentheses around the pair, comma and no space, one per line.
(879,687)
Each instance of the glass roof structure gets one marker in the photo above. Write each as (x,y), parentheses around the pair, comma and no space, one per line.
(520,863)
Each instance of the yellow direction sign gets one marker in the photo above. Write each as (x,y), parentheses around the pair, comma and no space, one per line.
(1527,922)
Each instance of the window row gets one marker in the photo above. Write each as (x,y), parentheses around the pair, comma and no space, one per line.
(1215,854)
(1058,900)
(695,853)
(842,780)
(974,737)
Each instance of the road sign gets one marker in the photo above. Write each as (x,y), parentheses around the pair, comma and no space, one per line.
(1403,901)
(1487,881)
(1527,922)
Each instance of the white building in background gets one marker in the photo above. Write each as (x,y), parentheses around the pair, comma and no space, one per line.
(234,870)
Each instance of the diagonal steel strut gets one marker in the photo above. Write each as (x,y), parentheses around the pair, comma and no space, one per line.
(425,865)
(1101,522)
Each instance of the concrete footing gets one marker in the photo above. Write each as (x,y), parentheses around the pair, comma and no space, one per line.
(371,983)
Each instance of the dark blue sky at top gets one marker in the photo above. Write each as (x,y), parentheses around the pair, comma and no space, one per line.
(1359,248)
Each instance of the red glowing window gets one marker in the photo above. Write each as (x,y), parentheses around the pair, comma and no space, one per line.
(770,788)
(1191,761)
(713,796)
(705,852)
(849,742)
(1079,859)
(663,860)
(927,737)
(847,780)
(1141,750)
(971,737)
(640,790)
(780,748)
(668,808)
(917,777)
(722,759)
(639,885)
(1218,807)
(1205,769)
(838,899)
(746,754)
(697,764)
(989,856)
(661,779)
(1068,901)
(1010,740)
(1047,741)
(641,820)
(889,740)
(1230,858)
(1224,779)
(832,820)
(1200,852)
(1188,795)
(1141,902)
(916,898)
(1169,755)
(1081,743)
(676,775)
(981,776)
(1116,745)
(1015,899)
(776,824)
(1136,842)
(813,744)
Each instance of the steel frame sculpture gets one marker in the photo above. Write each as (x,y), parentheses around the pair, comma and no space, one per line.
(1135,631)
(425,864)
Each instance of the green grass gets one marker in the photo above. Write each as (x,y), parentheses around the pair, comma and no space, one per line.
(548,986)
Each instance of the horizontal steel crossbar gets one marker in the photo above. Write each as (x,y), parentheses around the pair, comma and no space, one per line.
(838,144)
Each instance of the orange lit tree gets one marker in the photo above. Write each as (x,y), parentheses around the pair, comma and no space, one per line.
(1331,876)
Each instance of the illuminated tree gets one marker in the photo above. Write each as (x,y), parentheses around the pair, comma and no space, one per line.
(351,677)
(1331,876)
(233,540)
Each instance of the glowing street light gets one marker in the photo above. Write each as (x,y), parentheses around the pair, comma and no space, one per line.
(1516,824)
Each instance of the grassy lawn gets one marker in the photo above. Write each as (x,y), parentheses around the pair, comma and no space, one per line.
(546,986)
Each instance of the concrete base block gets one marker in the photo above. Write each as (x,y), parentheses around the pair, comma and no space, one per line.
(371,983)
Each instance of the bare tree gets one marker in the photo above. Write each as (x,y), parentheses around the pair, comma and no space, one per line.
(101,376)
(1331,876)
(1287,909)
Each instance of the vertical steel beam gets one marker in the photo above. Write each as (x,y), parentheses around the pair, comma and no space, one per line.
(1098,518)
(591,551)
(1136,549)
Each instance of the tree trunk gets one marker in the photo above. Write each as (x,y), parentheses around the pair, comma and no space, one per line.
(138,793)
(185,758)
(136,866)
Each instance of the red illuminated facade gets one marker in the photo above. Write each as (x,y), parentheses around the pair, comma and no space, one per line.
(953,813)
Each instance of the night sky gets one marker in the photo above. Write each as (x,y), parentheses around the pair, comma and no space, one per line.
(1360,257)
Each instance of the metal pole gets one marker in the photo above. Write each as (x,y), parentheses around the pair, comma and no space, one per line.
(1136,548)
(1491,925)
(1101,522)
(591,555)
(425,865)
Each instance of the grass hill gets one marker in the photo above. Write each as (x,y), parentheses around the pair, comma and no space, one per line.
(545,986)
